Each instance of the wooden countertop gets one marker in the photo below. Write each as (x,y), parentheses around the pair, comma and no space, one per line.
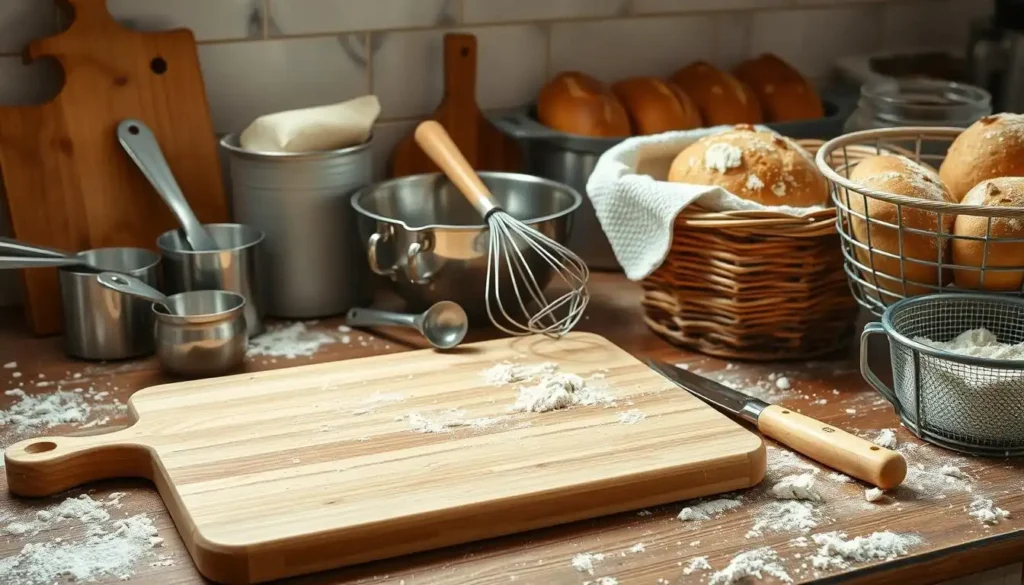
(929,504)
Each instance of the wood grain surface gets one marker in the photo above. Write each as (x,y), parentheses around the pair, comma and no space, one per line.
(69,184)
(831,390)
(484,146)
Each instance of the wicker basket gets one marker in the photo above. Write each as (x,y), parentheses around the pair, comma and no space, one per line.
(754,285)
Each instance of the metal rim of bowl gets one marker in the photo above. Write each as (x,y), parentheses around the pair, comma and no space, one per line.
(129,271)
(203,318)
(230,142)
(190,252)
(890,329)
(358,195)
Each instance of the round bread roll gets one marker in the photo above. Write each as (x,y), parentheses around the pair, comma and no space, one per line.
(720,97)
(901,176)
(656,106)
(1001,192)
(759,166)
(783,93)
(990,148)
(576,103)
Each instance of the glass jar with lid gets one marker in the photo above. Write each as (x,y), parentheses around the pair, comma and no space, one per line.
(891,102)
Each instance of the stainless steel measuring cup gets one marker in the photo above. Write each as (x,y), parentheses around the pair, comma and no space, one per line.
(197,333)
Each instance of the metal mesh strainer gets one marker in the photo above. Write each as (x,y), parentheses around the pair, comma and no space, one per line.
(969,404)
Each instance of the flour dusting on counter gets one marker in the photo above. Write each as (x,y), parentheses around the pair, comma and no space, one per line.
(796,487)
(697,564)
(886,439)
(784,516)
(512,373)
(708,509)
(757,564)
(631,416)
(445,421)
(289,341)
(584,562)
(835,551)
(873,494)
(986,511)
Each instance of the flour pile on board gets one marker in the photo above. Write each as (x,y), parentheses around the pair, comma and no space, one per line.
(985,510)
(796,487)
(603,581)
(784,516)
(510,373)
(697,564)
(835,551)
(584,562)
(370,403)
(886,439)
(978,343)
(631,416)
(445,421)
(107,550)
(556,391)
(289,341)
(708,509)
(756,564)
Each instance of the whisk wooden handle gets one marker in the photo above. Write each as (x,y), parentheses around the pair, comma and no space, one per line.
(435,141)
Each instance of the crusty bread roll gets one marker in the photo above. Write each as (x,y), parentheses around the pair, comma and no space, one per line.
(720,97)
(1001,192)
(901,176)
(760,166)
(576,103)
(783,93)
(656,106)
(991,147)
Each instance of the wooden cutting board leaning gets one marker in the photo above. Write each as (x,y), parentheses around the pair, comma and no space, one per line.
(68,183)
(484,146)
(292,471)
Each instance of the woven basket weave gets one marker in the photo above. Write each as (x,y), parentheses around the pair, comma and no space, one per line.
(754,285)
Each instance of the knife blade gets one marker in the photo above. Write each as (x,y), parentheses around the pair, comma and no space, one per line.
(824,443)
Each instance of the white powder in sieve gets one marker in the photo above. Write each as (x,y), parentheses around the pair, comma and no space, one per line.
(707,509)
(978,343)
(721,157)
(289,341)
(835,551)
(756,563)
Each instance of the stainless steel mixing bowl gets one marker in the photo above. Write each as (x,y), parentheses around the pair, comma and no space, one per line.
(420,232)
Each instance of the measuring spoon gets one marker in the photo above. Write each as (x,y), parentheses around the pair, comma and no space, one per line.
(132,286)
(444,324)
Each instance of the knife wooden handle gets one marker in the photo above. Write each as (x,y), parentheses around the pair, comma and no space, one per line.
(830,446)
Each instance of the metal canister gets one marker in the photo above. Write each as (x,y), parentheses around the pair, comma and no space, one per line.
(314,264)
(101,324)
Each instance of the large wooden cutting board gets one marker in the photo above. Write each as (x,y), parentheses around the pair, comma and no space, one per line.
(68,183)
(304,469)
(485,147)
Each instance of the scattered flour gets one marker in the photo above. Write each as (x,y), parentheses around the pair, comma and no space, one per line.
(756,564)
(840,477)
(289,341)
(754,183)
(631,417)
(370,403)
(584,562)
(555,391)
(782,383)
(782,459)
(708,509)
(637,548)
(985,510)
(850,411)
(10,365)
(603,581)
(836,552)
(697,564)
(796,487)
(873,494)
(820,402)
(510,373)
(645,513)
(785,516)
(721,157)
(953,471)
(978,343)
(886,439)
(444,422)
(44,410)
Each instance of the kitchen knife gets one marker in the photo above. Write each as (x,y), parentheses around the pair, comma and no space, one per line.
(824,443)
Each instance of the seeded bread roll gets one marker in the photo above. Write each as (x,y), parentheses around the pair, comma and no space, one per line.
(901,176)
(656,106)
(1001,192)
(576,103)
(783,93)
(720,97)
(760,166)
(990,148)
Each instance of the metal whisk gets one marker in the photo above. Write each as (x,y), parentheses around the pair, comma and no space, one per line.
(510,240)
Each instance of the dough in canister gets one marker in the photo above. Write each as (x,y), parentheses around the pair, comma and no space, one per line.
(1001,192)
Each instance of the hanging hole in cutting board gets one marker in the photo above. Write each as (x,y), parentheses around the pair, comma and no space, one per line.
(158,65)
(41,447)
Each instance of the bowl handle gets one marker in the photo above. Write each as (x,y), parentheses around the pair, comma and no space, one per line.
(372,255)
(417,274)
(865,367)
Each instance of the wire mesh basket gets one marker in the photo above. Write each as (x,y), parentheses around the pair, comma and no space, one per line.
(895,247)
(970,404)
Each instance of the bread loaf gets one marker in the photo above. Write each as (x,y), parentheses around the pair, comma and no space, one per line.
(1001,192)
(901,176)
(656,106)
(990,148)
(576,103)
(720,97)
(782,92)
(757,165)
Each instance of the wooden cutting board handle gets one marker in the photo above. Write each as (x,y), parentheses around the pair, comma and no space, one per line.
(48,465)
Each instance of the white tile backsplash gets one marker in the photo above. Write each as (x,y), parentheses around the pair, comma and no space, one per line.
(294,17)
(24,20)
(248,79)
(480,11)
(812,39)
(408,71)
(614,49)
(209,20)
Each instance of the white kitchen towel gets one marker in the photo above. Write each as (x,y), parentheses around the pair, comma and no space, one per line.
(311,129)
(637,207)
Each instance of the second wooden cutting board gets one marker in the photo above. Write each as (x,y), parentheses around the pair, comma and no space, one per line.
(292,471)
